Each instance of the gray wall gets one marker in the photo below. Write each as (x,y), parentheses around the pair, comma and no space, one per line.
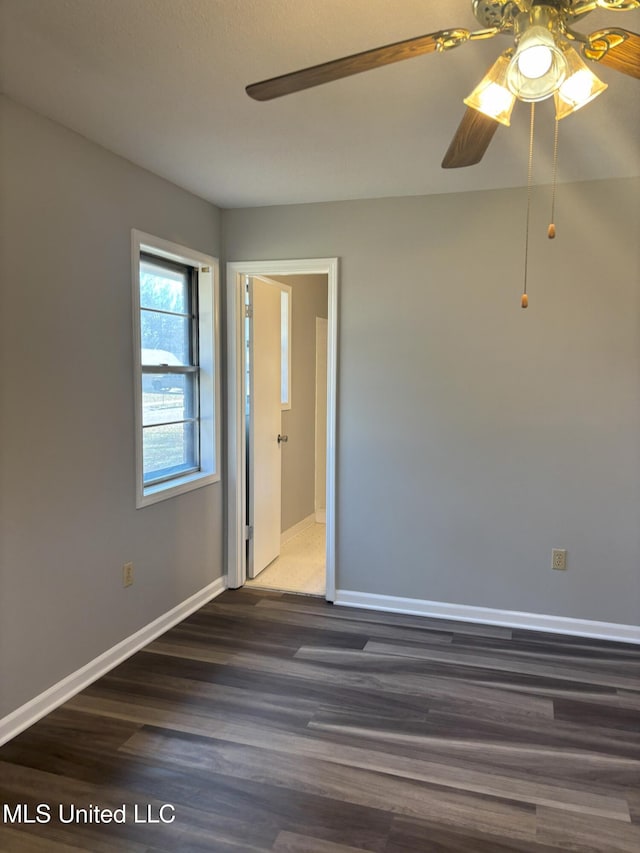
(309,299)
(474,437)
(68,519)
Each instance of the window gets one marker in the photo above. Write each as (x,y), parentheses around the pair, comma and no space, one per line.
(176,374)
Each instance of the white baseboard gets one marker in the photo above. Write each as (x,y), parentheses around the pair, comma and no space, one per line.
(491,616)
(32,711)
(321,516)
(288,534)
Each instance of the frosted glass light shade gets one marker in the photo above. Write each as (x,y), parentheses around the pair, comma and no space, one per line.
(492,96)
(538,67)
(580,87)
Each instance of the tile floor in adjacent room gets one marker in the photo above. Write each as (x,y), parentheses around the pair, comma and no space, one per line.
(301,565)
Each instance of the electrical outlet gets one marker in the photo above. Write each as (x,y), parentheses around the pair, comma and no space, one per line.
(559,559)
(127,574)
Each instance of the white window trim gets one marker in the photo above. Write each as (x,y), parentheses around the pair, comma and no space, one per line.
(209,342)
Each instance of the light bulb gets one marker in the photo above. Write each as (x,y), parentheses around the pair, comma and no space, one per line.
(535,61)
(538,67)
(491,96)
(578,87)
(495,100)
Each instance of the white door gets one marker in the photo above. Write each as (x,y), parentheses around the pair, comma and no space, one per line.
(265,471)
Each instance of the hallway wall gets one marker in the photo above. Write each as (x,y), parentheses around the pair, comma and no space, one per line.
(309,300)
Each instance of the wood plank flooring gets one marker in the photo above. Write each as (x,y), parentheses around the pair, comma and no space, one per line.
(275,722)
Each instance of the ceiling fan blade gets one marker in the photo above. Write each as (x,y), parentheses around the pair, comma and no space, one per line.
(471,141)
(617,49)
(276,87)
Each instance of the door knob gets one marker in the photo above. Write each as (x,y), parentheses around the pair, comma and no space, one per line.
(283,438)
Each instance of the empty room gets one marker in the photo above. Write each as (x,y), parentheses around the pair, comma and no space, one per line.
(320,426)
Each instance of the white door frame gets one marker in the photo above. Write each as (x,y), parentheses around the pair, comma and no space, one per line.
(236,395)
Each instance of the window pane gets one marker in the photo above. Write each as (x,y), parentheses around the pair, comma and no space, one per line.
(168,397)
(163,289)
(165,338)
(168,450)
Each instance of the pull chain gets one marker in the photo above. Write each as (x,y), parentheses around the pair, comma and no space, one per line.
(551,233)
(525,297)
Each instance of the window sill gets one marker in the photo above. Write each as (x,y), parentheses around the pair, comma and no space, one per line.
(164,491)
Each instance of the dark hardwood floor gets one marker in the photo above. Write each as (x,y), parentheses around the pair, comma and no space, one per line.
(273,722)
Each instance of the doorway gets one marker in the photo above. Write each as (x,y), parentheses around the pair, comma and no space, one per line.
(285,342)
(253,473)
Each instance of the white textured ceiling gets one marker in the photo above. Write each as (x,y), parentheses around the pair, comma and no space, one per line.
(161,82)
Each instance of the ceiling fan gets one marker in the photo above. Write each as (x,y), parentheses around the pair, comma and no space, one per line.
(541,62)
